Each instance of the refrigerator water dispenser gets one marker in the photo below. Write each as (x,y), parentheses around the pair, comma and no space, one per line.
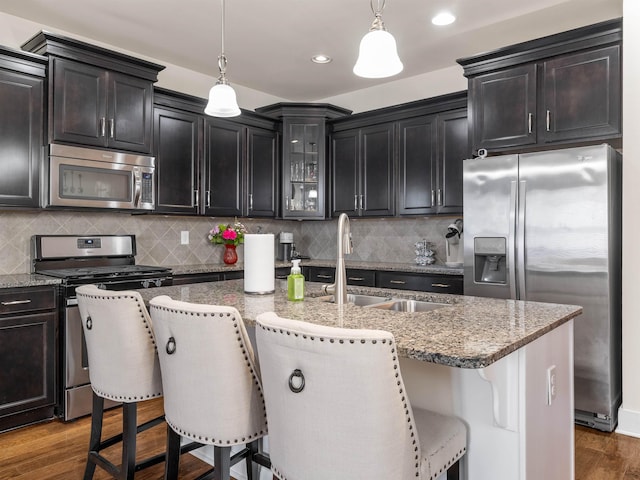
(490,259)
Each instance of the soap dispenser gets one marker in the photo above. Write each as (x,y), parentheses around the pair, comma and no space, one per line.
(295,283)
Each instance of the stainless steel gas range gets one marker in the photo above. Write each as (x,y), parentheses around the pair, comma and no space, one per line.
(105,260)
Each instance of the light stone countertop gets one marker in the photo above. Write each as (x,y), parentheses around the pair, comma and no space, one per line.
(471,332)
(387,266)
(26,280)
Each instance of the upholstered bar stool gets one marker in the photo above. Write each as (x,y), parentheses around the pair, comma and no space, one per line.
(123,366)
(338,409)
(212,389)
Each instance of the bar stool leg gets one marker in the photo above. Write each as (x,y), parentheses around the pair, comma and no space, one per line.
(96,434)
(222,463)
(129,431)
(172,464)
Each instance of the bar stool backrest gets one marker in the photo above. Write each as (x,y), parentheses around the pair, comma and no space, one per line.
(123,362)
(213,392)
(336,403)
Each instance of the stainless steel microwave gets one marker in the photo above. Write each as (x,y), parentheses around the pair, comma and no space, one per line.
(85,177)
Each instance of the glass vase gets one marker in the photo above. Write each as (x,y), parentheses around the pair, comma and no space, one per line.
(230,255)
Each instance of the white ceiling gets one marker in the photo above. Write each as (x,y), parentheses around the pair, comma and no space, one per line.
(269,42)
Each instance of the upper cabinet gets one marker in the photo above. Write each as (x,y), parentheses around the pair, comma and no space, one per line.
(362,165)
(213,166)
(565,88)
(304,152)
(431,151)
(97,97)
(401,160)
(22,80)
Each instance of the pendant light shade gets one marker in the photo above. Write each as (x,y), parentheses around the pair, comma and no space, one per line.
(222,101)
(378,57)
(222,98)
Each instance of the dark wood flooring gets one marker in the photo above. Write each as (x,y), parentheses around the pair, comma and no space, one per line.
(57,451)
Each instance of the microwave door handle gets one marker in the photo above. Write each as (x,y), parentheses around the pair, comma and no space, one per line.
(137,189)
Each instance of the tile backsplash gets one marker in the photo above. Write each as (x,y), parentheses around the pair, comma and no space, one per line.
(158,237)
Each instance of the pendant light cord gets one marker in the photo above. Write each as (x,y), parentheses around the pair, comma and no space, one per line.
(377,24)
(222,59)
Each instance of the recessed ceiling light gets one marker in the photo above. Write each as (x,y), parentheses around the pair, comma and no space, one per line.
(321,59)
(443,18)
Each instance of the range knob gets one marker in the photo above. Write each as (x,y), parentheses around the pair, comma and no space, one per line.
(145,283)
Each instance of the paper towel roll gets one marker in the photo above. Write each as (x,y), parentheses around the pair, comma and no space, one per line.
(259,263)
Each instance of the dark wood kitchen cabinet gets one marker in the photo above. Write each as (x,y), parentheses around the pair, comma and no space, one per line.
(212,166)
(178,131)
(28,322)
(22,80)
(431,151)
(565,88)
(362,166)
(304,156)
(97,97)
(240,169)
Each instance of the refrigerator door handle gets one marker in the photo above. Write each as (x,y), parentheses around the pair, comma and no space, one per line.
(511,247)
(522,195)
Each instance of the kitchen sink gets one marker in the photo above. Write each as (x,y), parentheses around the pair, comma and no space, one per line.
(402,305)
(359,300)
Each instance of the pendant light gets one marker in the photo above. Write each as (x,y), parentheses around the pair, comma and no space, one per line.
(222,98)
(378,56)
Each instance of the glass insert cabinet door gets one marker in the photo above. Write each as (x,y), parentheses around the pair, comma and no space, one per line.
(305,170)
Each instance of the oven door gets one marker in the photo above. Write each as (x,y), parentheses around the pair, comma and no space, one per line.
(95,184)
(77,395)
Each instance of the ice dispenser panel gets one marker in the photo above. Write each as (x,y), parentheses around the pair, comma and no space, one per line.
(490,259)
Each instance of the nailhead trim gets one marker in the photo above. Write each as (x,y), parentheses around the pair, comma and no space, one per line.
(400,390)
(147,326)
(225,315)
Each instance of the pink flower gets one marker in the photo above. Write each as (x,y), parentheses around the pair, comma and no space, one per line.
(229,234)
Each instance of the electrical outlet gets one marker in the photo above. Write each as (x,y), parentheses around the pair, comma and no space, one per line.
(184,237)
(552,387)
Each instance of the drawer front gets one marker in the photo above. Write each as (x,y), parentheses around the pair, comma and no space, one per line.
(402,281)
(365,278)
(27,299)
(421,283)
(322,274)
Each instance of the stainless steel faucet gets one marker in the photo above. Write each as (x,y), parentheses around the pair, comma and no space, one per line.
(339,288)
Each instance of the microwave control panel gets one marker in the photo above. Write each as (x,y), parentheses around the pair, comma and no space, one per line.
(147,187)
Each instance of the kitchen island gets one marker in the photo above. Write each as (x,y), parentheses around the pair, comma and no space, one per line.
(504,366)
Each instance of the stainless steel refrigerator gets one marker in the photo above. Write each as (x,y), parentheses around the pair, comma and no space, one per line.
(546,227)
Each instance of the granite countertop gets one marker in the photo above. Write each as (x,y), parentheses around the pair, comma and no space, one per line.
(26,280)
(398,267)
(470,332)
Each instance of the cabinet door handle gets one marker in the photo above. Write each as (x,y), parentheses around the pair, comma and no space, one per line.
(440,197)
(440,285)
(321,275)
(196,194)
(361,202)
(433,198)
(251,201)
(356,279)
(208,204)
(398,282)
(112,127)
(15,302)
(548,121)
(286,203)
(530,123)
(103,126)
(355,202)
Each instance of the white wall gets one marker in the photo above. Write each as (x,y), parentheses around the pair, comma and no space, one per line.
(14,31)
(629,420)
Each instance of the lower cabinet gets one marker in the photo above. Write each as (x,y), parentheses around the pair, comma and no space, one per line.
(437,283)
(28,319)
(420,282)
(187,278)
